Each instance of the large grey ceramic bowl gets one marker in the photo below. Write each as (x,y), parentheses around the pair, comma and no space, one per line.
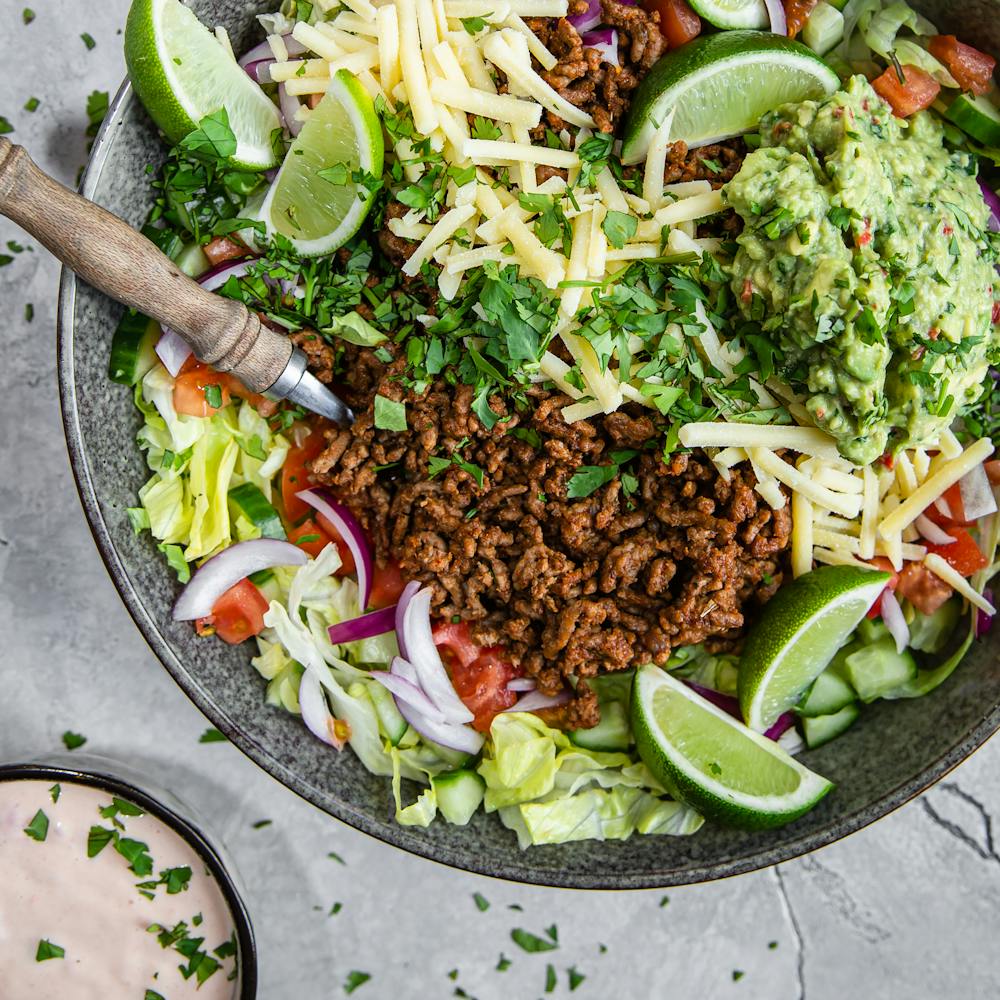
(896,751)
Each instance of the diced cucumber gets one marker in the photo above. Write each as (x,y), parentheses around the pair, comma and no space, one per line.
(824,28)
(930,633)
(612,733)
(453,758)
(459,795)
(877,669)
(872,630)
(247,499)
(133,348)
(926,681)
(830,693)
(392,724)
(977,116)
(192,261)
(820,729)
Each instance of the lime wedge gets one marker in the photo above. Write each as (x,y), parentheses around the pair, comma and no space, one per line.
(181,73)
(714,763)
(315,201)
(733,13)
(797,635)
(719,86)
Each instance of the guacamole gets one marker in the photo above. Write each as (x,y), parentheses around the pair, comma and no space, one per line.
(866,265)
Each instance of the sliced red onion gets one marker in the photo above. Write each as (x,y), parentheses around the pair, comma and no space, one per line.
(172,349)
(214,577)
(589,19)
(406,690)
(776,15)
(942,507)
(423,654)
(404,601)
(993,204)
(892,615)
(726,702)
(522,684)
(934,533)
(350,531)
(293,46)
(316,711)
(462,738)
(260,70)
(374,623)
(258,52)
(405,669)
(977,494)
(781,725)
(605,40)
(535,701)
(984,621)
(289,105)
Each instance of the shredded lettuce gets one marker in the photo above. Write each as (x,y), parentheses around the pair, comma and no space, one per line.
(550,791)
(718,672)
(911,54)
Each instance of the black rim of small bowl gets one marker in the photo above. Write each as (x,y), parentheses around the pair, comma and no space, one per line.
(665,877)
(184,828)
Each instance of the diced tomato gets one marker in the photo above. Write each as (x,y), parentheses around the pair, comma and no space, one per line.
(387,585)
(992,468)
(295,477)
(925,591)
(454,642)
(190,385)
(480,676)
(879,562)
(238,614)
(972,69)
(797,13)
(678,22)
(962,555)
(221,249)
(953,498)
(316,539)
(918,91)
(347,565)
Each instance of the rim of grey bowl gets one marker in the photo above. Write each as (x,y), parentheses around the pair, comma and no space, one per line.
(764,858)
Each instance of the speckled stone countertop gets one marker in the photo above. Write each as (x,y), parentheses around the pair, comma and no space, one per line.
(908,908)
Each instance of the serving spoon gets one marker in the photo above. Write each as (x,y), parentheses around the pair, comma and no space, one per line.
(111,256)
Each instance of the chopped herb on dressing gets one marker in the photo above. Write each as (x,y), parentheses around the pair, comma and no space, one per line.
(47,950)
(38,828)
(529,942)
(73,741)
(354,980)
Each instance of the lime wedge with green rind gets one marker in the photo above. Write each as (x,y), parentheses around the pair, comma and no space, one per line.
(732,13)
(720,85)
(714,763)
(797,635)
(182,74)
(315,201)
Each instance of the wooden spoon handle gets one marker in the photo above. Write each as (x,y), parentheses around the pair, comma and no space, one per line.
(108,254)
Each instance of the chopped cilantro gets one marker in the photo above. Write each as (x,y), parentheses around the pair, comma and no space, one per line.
(38,828)
(47,950)
(503,964)
(55,791)
(213,395)
(738,974)
(73,741)
(473,25)
(335,909)
(551,980)
(482,903)
(212,735)
(5,126)
(27,15)
(98,838)
(529,942)
(261,823)
(619,227)
(32,104)
(29,312)
(575,978)
(588,479)
(213,139)
(390,415)
(136,853)
(334,856)
(88,40)
(664,900)
(354,980)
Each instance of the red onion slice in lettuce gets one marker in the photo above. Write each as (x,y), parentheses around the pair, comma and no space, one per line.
(260,70)
(214,577)
(404,602)
(406,690)
(780,726)
(316,712)
(535,701)
(289,106)
(934,533)
(895,622)
(776,15)
(346,525)
(726,702)
(589,19)
(364,627)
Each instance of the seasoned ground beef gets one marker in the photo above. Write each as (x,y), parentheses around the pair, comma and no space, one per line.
(571,587)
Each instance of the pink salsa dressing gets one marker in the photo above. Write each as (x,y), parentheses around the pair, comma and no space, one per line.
(91,908)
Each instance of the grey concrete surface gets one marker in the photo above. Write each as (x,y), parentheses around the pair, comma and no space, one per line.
(909,908)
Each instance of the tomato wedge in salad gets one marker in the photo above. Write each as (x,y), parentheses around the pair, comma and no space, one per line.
(238,614)
(480,675)
(963,554)
(295,476)
(917,91)
(387,585)
(678,22)
(972,69)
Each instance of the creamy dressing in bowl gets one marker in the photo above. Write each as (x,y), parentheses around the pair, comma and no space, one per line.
(101,898)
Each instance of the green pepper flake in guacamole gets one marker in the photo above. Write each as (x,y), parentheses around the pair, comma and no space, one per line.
(865,259)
